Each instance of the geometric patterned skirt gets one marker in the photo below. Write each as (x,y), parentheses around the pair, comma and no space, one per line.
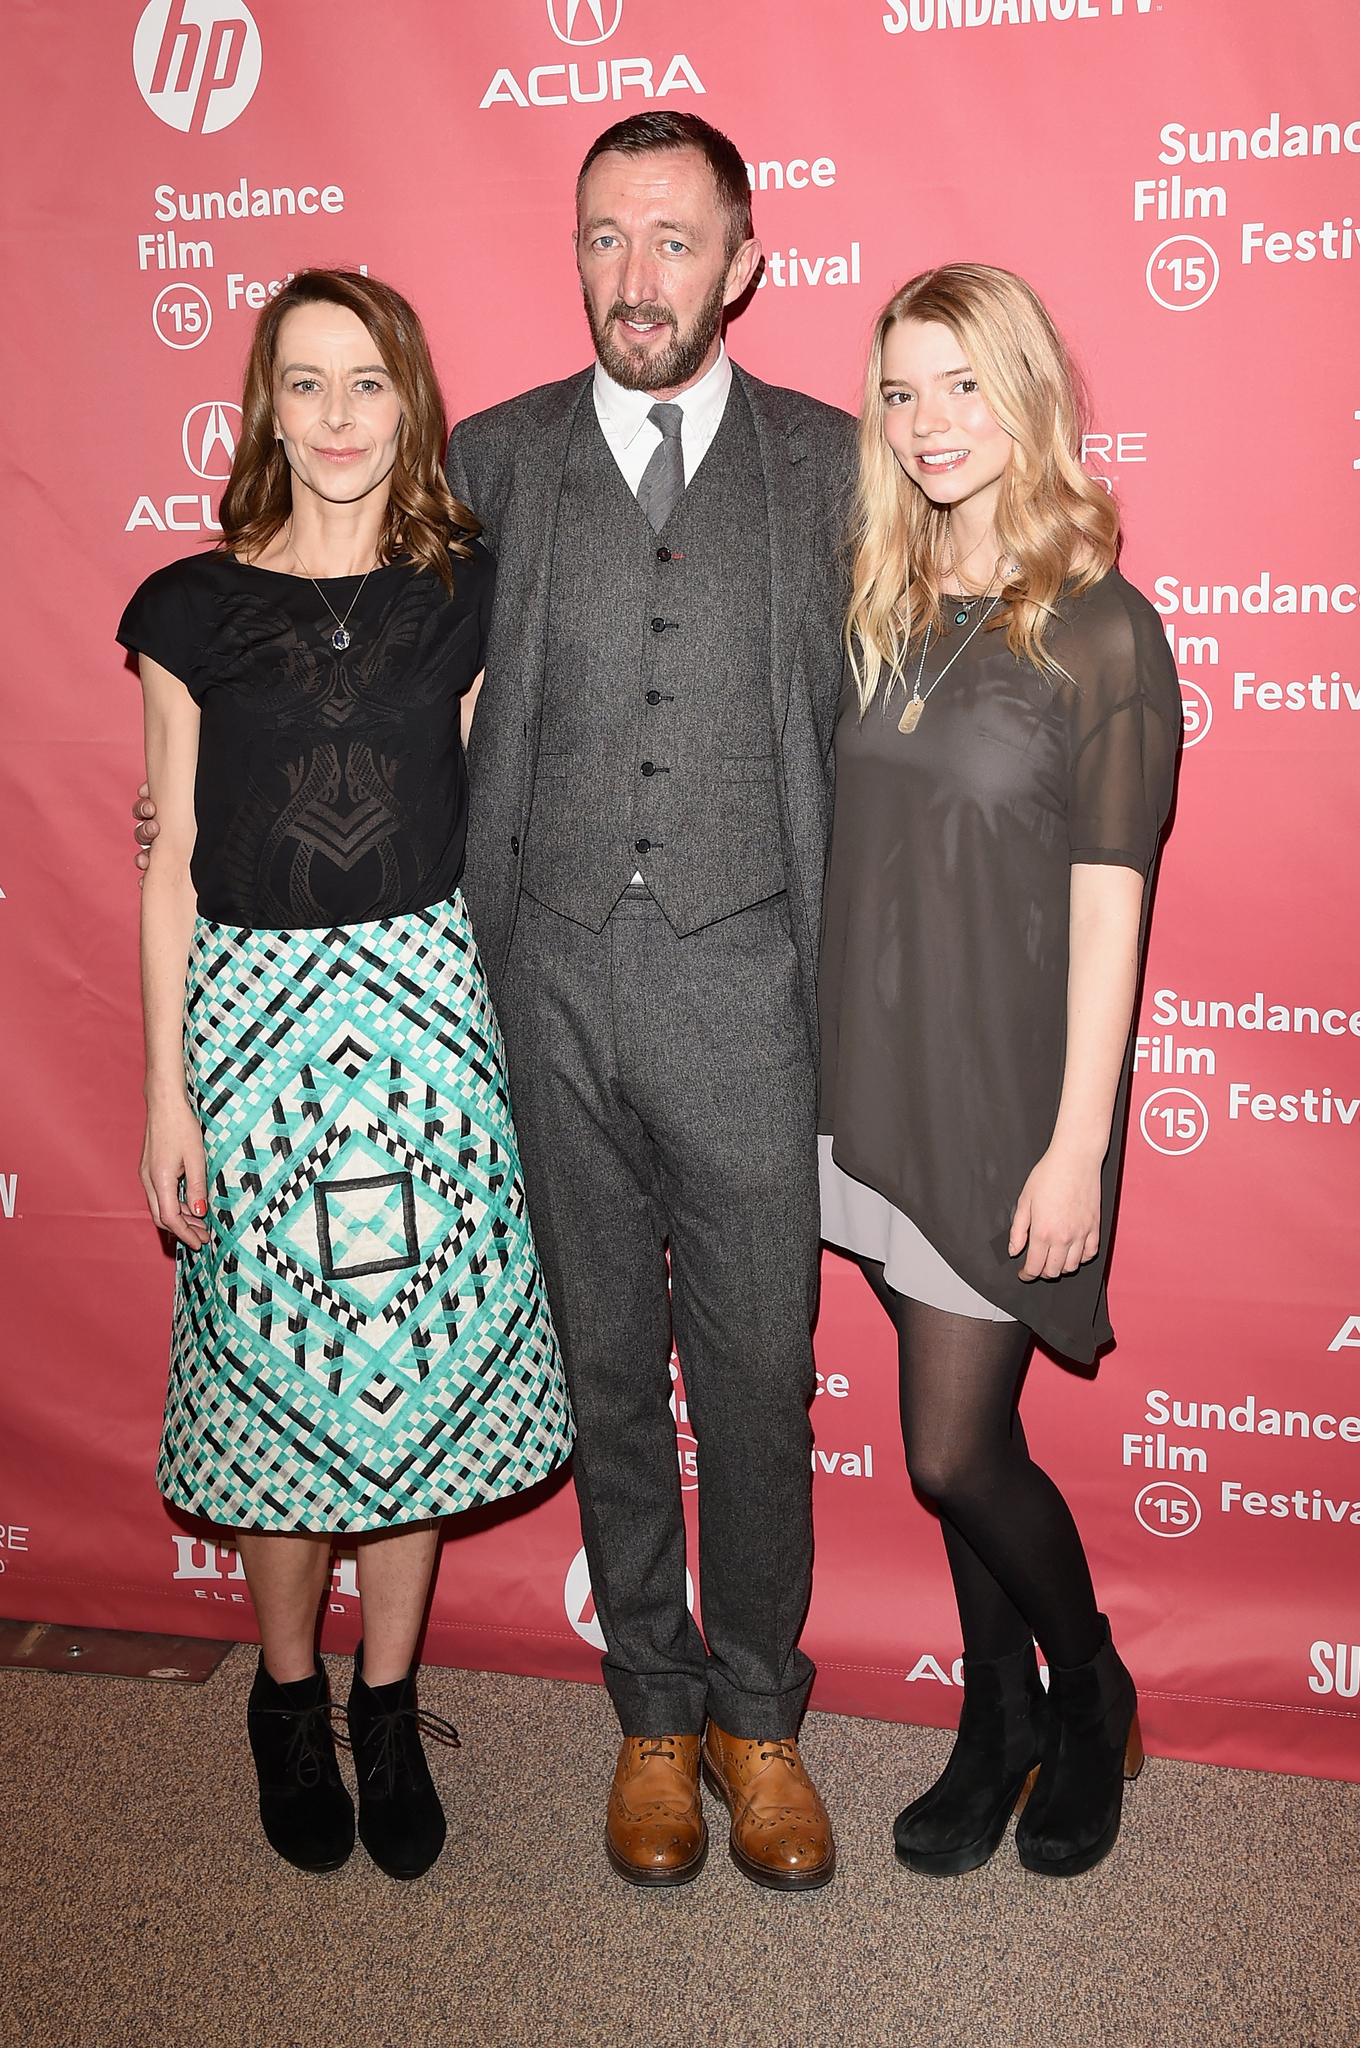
(364,1341)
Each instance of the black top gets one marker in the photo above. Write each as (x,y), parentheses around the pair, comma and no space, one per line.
(331,785)
(944,956)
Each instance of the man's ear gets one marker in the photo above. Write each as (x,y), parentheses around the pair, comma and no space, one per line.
(742,269)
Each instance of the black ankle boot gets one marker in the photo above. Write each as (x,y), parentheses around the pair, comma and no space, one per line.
(1072,1818)
(306,1812)
(401,1822)
(956,1825)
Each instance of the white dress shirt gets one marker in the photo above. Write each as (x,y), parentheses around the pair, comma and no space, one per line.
(632,437)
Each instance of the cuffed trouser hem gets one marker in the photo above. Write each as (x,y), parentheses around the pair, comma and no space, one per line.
(673,1705)
(657,1703)
(754,1717)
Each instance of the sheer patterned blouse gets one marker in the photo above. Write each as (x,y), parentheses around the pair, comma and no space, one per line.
(331,785)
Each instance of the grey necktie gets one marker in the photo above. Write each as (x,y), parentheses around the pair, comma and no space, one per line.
(663,480)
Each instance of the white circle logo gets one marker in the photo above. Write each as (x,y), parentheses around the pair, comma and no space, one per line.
(182,316)
(209,437)
(562,20)
(579,1601)
(1197,713)
(1174,1121)
(1167,1509)
(197,62)
(687,1450)
(1182,272)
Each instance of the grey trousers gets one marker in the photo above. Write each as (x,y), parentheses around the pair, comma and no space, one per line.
(664,1095)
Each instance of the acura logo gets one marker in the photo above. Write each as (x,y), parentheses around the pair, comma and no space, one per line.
(562,15)
(579,1600)
(209,439)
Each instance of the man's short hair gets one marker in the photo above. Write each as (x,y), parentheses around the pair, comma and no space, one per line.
(644,134)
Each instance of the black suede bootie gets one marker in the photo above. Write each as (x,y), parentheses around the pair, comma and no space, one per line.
(957,1824)
(1072,1818)
(401,1822)
(305,1810)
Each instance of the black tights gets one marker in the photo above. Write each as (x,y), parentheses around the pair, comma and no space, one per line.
(1014,1553)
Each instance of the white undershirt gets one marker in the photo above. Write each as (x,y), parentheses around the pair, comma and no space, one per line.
(632,437)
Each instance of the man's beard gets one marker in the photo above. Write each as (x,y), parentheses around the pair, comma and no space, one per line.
(671,367)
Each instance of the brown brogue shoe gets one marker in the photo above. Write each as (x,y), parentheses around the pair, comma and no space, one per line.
(655,1832)
(781,1835)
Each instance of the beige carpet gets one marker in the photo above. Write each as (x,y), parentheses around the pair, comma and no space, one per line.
(142,1908)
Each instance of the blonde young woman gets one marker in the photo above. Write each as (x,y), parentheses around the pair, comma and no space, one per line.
(1006,753)
(362,1343)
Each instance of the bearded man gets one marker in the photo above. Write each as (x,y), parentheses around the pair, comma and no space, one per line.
(651,802)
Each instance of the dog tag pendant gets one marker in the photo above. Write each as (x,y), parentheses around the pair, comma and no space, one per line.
(911,717)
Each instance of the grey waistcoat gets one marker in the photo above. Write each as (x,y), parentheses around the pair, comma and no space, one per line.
(656,752)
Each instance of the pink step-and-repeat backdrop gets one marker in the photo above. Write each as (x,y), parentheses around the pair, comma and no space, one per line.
(1179,180)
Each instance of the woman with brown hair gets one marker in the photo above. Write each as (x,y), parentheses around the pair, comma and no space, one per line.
(1005,756)
(362,1344)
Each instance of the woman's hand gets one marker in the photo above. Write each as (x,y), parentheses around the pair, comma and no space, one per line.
(146,830)
(1057,1216)
(172,1152)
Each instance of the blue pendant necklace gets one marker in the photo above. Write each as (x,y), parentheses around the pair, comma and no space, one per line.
(340,638)
(916,703)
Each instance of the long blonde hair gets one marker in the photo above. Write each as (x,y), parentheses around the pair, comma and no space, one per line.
(1053,522)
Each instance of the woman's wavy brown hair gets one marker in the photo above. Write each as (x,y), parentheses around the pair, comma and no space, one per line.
(1060,528)
(424,519)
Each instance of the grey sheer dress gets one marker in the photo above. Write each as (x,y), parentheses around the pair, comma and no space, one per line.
(945,943)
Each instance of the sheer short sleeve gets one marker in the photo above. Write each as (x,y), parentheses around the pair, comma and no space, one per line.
(165,620)
(1124,724)
(485,594)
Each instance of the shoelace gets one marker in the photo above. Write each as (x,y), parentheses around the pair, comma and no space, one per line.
(311,1743)
(774,1749)
(780,1747)
(387,1733)
(658,1746)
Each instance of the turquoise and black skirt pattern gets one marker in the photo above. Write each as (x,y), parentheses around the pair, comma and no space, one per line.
(365,1340)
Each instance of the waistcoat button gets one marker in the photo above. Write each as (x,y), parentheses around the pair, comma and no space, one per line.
(642,846)
(663,554)
(649,768)
(658,625)
(654,696)
(514,847)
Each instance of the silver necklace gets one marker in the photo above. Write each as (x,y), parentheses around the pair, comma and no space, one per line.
(965,603)
(916,703)
(340,637)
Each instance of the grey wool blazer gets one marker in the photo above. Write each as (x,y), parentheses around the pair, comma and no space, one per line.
(507,464)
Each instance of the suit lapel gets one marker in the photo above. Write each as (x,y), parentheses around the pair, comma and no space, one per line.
(526,544)
(790,498)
